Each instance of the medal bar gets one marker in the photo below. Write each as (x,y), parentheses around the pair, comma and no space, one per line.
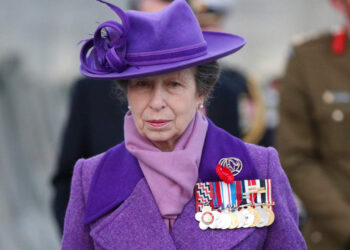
(240,204)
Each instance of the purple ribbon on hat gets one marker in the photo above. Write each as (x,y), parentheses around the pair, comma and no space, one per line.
(108,52)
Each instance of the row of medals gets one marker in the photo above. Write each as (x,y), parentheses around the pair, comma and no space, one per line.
(260,216)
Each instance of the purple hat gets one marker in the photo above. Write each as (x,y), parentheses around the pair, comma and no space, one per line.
(146,44)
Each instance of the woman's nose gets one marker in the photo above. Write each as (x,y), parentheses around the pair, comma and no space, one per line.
(158,99)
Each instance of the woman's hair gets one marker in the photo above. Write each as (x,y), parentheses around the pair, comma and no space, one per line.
(206,76)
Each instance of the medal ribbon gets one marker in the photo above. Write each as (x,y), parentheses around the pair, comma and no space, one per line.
(216,201)
(224,196)
(203,194)
(245,198)
(233,194)
(238,189)
(269,192)
(252,196)
(221,195)
(262,196)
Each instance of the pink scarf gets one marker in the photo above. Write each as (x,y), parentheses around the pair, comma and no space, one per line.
(171,176)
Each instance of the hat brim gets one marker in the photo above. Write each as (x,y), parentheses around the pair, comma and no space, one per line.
(218,45)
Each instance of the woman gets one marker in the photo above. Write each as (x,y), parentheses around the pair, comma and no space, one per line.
(139,194)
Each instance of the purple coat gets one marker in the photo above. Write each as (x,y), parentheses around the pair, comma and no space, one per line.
(98,217)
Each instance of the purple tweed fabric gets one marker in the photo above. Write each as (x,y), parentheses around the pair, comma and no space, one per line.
(137,223)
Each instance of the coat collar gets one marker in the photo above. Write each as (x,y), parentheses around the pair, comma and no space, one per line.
(118,172)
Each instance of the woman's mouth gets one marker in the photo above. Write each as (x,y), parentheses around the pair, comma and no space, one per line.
(158,123)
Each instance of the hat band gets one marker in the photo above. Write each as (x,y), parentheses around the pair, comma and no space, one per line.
(167,56)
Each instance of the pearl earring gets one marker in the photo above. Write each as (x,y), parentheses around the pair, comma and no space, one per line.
(129,107)
(201,106)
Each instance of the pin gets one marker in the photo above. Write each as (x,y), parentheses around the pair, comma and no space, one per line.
(235,165)
(228,168)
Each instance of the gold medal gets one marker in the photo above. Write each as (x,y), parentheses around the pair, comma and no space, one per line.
(257,217)
(271,215)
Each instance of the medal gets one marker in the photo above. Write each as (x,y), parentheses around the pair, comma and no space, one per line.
(240,204)
(214,225)
(271,216)
(269,201)
(257,216)
(206,218)
(224,221)
(264,216)
(241,219)
(249,217)
(234,220)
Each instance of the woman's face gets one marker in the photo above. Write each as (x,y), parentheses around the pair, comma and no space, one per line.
(162,106)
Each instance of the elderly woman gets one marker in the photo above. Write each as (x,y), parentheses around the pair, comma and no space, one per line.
(140,193)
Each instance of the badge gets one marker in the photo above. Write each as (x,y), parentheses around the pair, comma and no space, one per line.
(228,168)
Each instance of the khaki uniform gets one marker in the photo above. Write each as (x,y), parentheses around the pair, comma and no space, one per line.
(314,138)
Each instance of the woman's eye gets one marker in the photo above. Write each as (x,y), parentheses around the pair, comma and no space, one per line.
(174,84)
(142,84)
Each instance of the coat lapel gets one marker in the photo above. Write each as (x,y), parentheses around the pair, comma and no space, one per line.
(115,178)
(135,224)
(220,144)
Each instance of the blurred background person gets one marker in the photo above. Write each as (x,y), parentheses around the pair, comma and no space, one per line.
(238,108)
(314,132)
(95,123)
(96,117)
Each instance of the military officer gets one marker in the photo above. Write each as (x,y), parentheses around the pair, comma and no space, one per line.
(314,133)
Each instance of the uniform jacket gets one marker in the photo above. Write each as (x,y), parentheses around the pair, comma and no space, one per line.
(314,138)
(132,220)
(96,120)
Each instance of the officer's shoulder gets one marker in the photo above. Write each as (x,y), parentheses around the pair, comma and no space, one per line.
(312,41)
